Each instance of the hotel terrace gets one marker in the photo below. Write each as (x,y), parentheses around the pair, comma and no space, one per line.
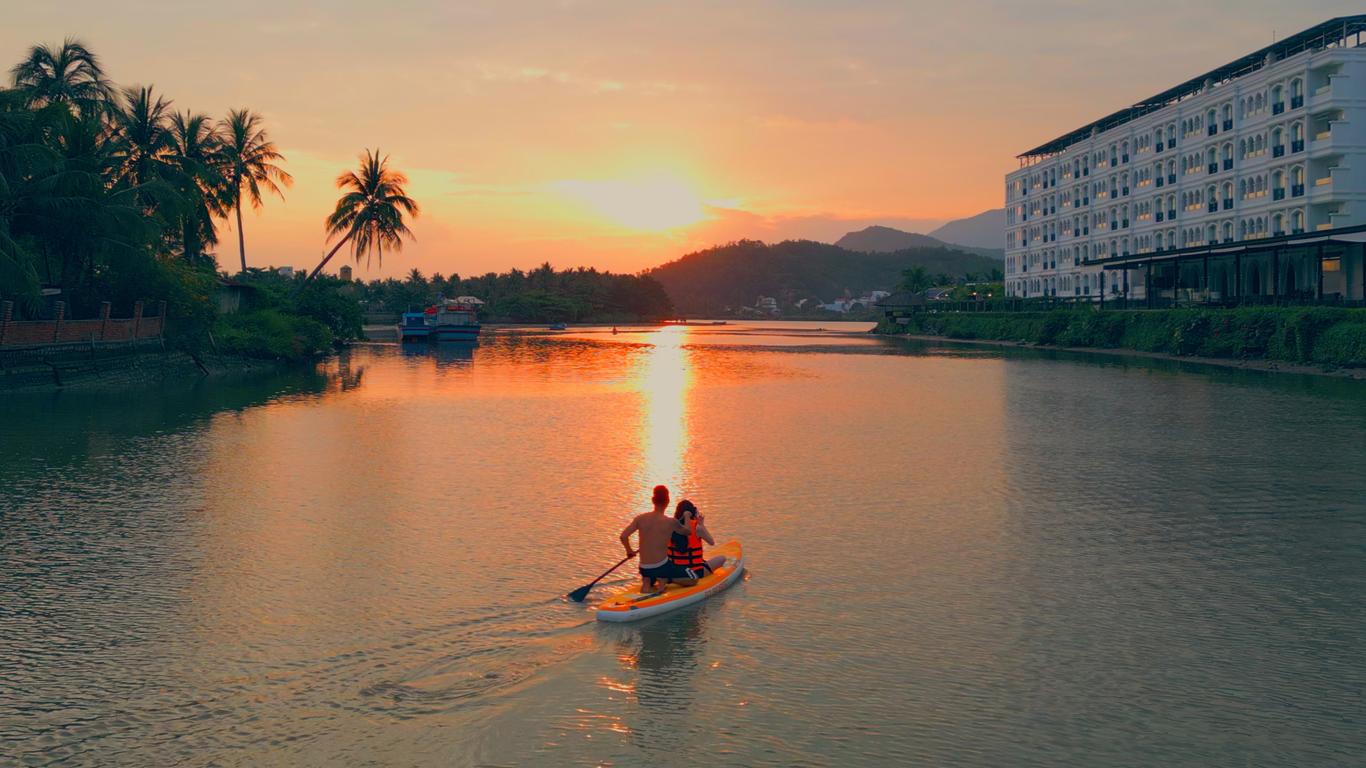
(1244,184)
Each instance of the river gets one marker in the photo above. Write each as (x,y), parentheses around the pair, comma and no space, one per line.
(957,556)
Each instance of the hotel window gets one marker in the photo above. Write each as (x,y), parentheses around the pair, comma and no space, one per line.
(1297,221)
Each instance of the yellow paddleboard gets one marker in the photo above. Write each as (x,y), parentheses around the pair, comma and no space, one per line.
(631,605)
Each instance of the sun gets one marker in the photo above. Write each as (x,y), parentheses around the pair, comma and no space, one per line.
(655,203)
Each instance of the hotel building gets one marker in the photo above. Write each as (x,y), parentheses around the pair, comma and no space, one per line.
(1244,184)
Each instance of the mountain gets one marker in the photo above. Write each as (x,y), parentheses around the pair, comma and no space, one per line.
(878,239)
(985,230)
(717,279)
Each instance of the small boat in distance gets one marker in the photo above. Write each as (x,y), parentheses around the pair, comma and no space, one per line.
(558,327)
(447,320)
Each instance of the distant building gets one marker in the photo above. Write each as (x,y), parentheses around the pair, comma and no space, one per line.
(767,305)
(1246,181)
(285,271)
(345,273)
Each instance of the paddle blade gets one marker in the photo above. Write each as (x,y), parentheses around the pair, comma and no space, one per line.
(579,594)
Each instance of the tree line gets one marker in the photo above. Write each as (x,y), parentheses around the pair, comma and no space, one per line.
(113,193)
(540,295)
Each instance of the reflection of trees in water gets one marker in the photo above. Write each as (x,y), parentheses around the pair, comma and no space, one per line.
(666,653)
(65,426)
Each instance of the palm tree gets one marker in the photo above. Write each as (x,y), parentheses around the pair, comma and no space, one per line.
(69,75)
(370,214)
(915,279)
(249,159)
(196,152)
(142,141)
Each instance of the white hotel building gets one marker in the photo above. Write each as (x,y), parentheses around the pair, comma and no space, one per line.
(1247,183)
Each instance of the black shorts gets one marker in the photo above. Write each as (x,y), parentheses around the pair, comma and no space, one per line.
(670,570)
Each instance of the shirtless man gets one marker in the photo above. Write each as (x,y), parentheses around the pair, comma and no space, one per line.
(655,528)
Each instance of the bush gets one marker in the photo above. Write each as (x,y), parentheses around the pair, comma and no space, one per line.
(1321,334)
(1342,344)
(272,334)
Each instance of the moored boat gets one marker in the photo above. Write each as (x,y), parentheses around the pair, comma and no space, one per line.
(454,319)
(412,326)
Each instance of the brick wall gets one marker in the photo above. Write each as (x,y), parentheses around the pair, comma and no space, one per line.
(33,333)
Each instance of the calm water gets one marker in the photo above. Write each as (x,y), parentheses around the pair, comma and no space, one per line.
(957,557)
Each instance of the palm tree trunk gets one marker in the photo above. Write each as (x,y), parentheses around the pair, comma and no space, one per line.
(326,259)
(241,241)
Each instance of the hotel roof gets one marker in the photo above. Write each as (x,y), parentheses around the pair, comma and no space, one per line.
(1331,33)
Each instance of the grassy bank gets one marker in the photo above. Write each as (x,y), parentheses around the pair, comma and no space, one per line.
(1322,335)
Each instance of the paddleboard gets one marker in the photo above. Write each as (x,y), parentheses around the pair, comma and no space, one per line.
(631,605)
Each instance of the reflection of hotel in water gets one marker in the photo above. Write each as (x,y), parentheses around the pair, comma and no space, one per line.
(1246,183)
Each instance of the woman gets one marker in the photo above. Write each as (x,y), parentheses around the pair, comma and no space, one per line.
(686,550)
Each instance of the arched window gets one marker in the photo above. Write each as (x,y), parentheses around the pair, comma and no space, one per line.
(1276,94)
(1297,175)
(1278,224)
(1228,111)
(1297,221)
(1211,118)
(1296,88)
(1242,188)
(1228,230)
(1242,148)
(1296,131)
(1211,234)
(1228,152)
(1242,230)
(1260,142)
(1261,101)
(1276,136)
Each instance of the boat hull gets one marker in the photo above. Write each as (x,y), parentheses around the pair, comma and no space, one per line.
(454,333)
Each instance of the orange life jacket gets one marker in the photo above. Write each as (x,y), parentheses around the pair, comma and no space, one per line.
(687,550)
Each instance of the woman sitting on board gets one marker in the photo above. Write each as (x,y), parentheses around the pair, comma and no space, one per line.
(686,550)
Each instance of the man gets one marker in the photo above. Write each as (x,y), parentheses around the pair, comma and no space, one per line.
(655,528)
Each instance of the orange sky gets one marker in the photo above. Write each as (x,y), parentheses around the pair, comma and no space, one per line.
(623,134)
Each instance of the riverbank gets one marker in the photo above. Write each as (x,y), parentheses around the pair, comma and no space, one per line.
(1308,340)
(89,366)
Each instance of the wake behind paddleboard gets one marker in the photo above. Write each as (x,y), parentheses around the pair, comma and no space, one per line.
(632,605)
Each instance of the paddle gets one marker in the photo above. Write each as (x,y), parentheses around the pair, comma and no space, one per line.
(579,594)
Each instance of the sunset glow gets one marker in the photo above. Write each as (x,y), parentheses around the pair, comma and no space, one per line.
(651,204)
(622,135)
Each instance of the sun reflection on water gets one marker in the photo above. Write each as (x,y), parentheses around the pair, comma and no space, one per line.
(663,379)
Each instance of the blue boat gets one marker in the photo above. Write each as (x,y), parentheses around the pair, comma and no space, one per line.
(413,327)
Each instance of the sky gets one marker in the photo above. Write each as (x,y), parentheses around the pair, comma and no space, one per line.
(622,134)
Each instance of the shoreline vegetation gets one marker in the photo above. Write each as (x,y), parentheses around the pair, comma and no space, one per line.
(1308,339)
(115,195)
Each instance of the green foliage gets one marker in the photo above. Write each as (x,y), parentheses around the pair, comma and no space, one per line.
(1342,344)
(539,296)
(326,302)
(270,333)
(915,279)
(1319,334)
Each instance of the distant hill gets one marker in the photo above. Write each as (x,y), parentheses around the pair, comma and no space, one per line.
(878,239)
(985,230)
(728,276)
